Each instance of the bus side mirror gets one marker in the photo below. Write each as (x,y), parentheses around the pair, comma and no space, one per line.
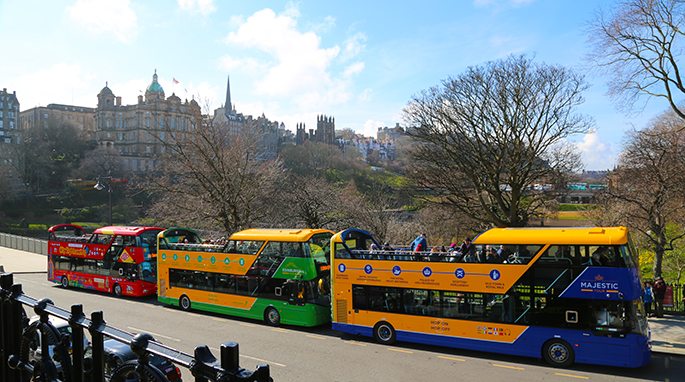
(278,291)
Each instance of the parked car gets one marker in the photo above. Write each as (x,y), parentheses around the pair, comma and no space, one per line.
(117,353)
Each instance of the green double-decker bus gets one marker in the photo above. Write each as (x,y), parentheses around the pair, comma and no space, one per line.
(279,275)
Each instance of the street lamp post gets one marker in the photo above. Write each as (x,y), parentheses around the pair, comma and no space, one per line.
(100,186)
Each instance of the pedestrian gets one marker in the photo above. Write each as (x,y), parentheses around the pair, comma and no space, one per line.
(647,298)
(659,290)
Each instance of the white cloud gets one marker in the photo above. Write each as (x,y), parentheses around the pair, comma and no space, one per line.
(353,69)
(249,65)
(203,7)
(60,83)
(370,128)
(108,17)
(354,45)
(293,64)
(596,155)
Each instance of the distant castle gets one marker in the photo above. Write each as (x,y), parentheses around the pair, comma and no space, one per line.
(325,131)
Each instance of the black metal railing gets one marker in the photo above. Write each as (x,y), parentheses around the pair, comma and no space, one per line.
(69,361)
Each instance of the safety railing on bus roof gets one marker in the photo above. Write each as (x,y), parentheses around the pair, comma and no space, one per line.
(75,365)
(432,256)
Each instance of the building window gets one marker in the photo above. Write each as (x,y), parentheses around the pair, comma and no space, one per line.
(148,149)
(11,124)
(147,121)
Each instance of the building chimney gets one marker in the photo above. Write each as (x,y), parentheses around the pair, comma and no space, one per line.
(140,99)
(118,101)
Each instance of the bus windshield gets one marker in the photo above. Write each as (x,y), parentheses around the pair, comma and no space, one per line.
(319,245)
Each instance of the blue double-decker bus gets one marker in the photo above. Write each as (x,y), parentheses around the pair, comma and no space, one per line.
(561,294)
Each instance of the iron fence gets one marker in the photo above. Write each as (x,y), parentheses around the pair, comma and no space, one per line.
(68,361)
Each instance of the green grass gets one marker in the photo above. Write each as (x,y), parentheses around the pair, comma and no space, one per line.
(576,207)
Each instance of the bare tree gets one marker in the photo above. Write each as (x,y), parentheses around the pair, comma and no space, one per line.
(646,189)
(100,162)
(640,44)
(484,138)
(213,178)
(311,201)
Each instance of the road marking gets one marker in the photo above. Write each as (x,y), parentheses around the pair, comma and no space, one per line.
(451,358)
(401,350)
(279,330)
(252,358)
(572,376)
(153,333)
(507,366)
(317,337)
(263,360)
(355,343)
(246,324)
(217,319)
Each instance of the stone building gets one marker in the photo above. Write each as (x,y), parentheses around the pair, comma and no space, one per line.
(9,117)
(10,138)
(269,134)
(324,133)
(82,118)
(140,131)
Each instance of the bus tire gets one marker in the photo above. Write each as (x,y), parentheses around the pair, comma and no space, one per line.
(65,282)
(116,290)
(271,316)
(184,303)
(558,353)
(384,333)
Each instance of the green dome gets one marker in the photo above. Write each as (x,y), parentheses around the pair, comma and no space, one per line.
(155,87)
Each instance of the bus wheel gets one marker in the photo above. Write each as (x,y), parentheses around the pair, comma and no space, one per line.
(558,353)
(64,281)
(384,333)
(272,317)
(184,303)
(116,290)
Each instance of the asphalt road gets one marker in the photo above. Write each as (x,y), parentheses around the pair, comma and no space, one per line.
(321,354)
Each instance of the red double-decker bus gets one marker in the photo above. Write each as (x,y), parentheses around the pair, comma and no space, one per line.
(117,259)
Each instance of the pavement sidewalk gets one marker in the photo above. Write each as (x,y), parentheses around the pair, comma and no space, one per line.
(668,334)
(17,261)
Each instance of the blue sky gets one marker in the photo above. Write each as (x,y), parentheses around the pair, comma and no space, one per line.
(358,61)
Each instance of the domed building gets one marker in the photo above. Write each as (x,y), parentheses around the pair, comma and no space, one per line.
(140,132)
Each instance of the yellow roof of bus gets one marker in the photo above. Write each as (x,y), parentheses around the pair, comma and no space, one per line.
(262,234)
(549,235)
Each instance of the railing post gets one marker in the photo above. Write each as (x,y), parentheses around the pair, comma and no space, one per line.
(97,341)
(16,325)
(6,281)
(230,356)
(77,342)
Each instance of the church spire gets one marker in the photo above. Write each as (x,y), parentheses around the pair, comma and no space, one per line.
(228,106)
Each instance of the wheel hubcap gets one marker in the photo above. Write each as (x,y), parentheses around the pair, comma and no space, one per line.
(273,316)
(558,353)
(384,333)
